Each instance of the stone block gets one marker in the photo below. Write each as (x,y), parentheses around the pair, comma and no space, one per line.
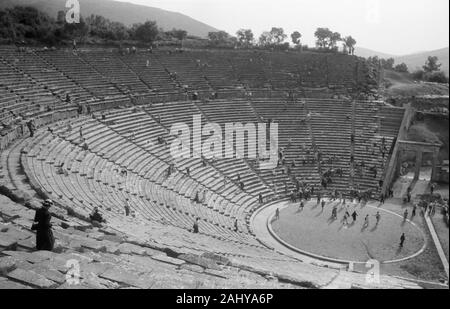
(6,284)
(198,260)
(28,277)
(48,272)
(93,245)
(168,260)
(7,243)
(7,264)
(124,277)
(127,248)
(192,267)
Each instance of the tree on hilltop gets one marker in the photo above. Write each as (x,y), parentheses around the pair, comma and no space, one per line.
(326,38)
(295,37)
(265,39)
(147,32)
(350,43)
(274,37)
(245,37)
(218,37)
(278,36)
(322,35)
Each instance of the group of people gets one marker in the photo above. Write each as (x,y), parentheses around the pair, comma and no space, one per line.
(350,216)
(127,50)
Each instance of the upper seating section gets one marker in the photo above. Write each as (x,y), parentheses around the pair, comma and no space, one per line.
(184,70)
(102,73)
(82,72)
(37,68)
(116,71)
(21,94)
(150,71)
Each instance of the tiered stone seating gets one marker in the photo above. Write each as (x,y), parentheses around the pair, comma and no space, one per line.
(9,101)
(25,94)
(132,184)
(116,71)
(43,72)
(106,73)
(244,252)
(104,258)
(293,135)
(342,72)
(217,69)
(154,75)
(391,118)
(185,70)
(309,70)
(134,104)
(81,72)
(251,69)
(284,74)
(331,128)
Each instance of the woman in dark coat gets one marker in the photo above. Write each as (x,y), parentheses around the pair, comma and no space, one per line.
(43,227)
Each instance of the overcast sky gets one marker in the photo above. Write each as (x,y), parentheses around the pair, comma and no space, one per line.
(392,26)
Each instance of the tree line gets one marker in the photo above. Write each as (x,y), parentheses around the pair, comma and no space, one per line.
(430,71)
(326,40)
(29,24)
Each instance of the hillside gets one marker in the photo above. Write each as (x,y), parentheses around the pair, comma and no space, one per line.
(416,61)
(400,84)
(366,53)
(126,13)
(413,61)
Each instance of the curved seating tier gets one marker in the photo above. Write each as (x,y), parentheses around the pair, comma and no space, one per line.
(127,139)
(132,98)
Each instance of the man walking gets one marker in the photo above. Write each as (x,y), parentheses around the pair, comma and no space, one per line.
(366,221)
(127,207)
(195,228)
(345,219)
(354,216)
(334,213)
(413,213)
(378,217)
(302,205)
(31,127)
(432,188)
(402,240)
(382,199)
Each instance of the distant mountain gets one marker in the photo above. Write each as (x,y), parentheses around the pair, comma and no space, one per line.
(126,13)
(416,61)
(366,53)
(413,61)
